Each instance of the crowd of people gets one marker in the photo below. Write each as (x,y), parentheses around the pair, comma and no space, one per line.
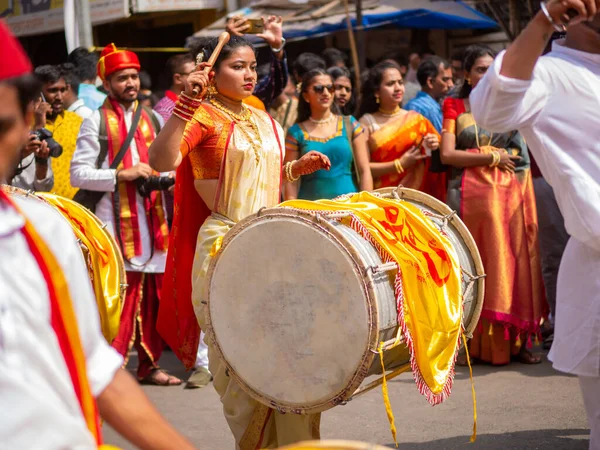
(178,169)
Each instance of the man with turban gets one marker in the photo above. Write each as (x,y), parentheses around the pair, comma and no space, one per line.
(137,221)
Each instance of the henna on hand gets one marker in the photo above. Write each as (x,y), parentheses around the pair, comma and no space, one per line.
(310,163)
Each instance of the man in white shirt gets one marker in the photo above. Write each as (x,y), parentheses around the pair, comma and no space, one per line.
(137,221)
(554,101)
(42,407)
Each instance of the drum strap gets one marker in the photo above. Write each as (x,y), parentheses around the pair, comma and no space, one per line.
(221,218)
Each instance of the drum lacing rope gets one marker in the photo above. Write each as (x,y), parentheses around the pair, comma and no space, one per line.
(470,279)
(444,218)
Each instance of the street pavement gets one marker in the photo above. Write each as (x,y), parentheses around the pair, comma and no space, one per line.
(518,407)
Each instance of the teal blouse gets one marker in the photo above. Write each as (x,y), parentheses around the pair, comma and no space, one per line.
(338,180)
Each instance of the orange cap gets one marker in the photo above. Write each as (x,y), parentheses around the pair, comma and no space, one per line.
(112,60)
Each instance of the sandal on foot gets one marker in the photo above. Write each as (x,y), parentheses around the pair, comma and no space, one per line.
(526,357)
(155,378)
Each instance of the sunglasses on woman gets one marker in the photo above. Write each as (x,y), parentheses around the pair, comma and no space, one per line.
(320,88)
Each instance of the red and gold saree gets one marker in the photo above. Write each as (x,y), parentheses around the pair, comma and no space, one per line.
(499,209)
(392,140)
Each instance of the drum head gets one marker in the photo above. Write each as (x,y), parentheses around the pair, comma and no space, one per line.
(284,286)
(462,242)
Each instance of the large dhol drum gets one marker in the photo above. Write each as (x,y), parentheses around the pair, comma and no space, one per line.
(100,251)
(298,303)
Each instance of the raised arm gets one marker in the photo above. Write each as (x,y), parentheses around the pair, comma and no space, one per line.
(515,90)
(521,57)
(164,152)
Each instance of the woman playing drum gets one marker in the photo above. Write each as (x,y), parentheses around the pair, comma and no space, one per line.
(232,154)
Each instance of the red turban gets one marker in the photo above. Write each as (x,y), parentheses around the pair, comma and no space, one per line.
(112,60)
(13,60)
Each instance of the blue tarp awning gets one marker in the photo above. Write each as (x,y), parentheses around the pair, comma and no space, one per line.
(318,17)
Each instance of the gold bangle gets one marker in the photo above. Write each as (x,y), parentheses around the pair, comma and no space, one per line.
(398,166)
(288,172)
(495,159)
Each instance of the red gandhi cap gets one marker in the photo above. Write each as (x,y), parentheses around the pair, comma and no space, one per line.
(112,60)
(13,60)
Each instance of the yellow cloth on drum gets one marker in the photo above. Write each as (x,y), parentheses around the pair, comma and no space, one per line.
(102,257)
(429,290)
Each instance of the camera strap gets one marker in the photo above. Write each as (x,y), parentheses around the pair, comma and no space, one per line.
(113,165)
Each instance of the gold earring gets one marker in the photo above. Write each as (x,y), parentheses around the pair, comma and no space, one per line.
(377,100)
(211,91)
(469,82)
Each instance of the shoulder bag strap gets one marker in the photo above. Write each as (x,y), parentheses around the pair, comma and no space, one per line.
(115,163)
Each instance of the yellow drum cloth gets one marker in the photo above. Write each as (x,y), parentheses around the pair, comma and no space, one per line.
(428,284)
(103,260)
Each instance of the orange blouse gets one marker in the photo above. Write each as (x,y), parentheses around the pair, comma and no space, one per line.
(205,140)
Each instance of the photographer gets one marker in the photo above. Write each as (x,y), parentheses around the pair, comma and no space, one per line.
(56,125)
(34,171)
(111,158)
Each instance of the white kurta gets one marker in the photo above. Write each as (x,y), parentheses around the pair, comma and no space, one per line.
(558,113)
(39,406)
(84,174)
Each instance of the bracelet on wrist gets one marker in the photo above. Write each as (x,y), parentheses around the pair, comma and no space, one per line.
(186,106)
(288,172)
(277,50)
(495,159)
(561,28)
(398,166)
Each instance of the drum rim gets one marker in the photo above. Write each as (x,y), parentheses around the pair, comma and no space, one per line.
(368,290)
(432,202)
(47,196)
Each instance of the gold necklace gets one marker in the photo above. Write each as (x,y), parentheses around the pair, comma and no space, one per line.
(393,113)
(244,117)
(327,120)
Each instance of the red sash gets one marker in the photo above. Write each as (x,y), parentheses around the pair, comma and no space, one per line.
(116,130)
(63,321)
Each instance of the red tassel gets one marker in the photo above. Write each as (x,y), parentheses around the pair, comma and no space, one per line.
(506,334)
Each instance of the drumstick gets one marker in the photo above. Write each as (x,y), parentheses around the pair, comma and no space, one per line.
(223,39)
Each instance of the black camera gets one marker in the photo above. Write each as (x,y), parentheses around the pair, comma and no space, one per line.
(44,134)
(146,186)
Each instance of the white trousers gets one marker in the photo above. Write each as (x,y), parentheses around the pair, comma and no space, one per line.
(202,355)
(590,388)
